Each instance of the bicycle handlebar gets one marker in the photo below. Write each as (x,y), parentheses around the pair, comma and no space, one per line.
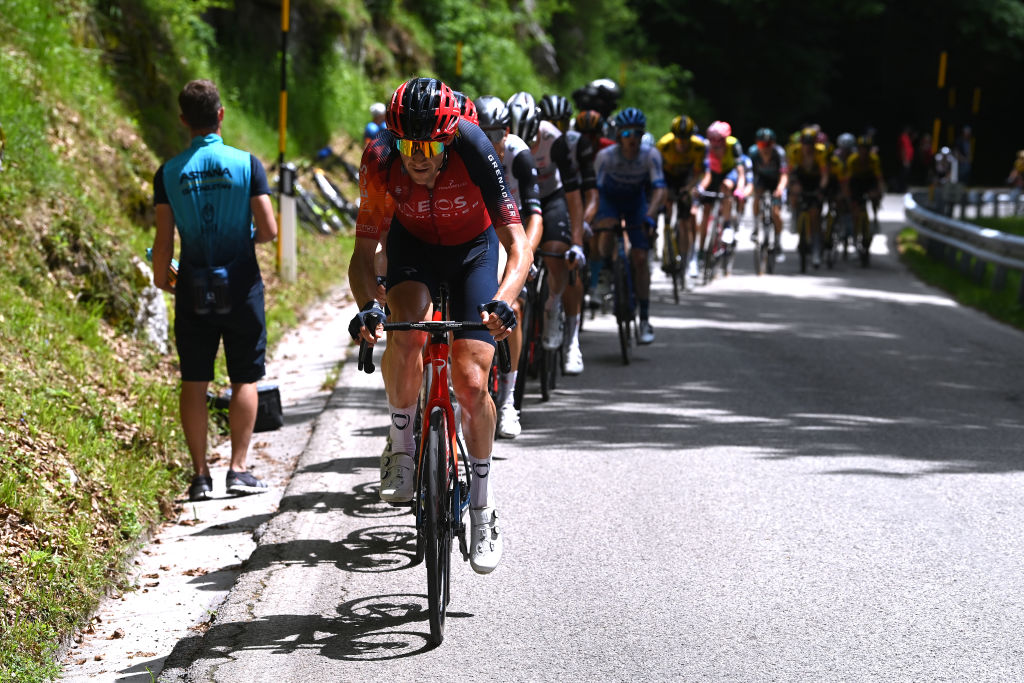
(433,327)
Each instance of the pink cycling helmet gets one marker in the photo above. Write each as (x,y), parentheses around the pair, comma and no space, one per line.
(719,130)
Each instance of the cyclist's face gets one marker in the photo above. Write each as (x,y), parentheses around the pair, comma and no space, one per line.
(422,169)
(682,144)
(630,139)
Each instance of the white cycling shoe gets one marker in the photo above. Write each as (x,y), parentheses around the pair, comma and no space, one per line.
(573,361)
(508,422)
(397,477)
(646,332)
(485,541)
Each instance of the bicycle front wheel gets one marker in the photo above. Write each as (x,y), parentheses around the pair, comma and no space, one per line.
(437,521)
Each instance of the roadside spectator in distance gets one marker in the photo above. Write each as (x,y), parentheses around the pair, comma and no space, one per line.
(923,160)
(1016,181)
(376,125)
(214,194)
(906,157)
(963,148)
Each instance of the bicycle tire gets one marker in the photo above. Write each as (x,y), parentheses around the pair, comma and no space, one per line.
(622,312)
(437,524)
(523,365)
(671,261)
(544,370)
(863,238)
(803,246)
(711,256)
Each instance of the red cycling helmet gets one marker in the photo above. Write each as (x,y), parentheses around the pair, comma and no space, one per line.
(423,109)
(467,108)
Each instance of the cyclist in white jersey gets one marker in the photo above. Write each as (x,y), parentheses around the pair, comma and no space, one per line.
(560,201)
(557,110)
(624,171)
(521,181)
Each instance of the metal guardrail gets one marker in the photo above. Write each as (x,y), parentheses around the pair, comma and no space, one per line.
(968,247)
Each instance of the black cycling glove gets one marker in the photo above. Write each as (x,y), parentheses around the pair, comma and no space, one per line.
(369,317)
(501,309)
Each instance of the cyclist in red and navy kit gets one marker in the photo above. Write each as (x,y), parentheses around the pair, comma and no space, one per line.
(446,181)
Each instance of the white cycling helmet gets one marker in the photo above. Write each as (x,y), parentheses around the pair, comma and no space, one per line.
(378,109)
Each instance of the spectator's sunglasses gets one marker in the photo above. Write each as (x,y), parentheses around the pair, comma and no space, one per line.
(429,148)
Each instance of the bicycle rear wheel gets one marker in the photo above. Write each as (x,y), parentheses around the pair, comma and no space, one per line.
(671,261)
(437,522)
(713,253)
(623,314)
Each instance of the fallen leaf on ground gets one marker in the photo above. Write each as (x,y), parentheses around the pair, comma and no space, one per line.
(195,572)
(98,658)
(164,568)
(151,576)
(152,584)
(119,633)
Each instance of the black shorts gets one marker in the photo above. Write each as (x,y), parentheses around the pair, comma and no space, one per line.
(244,331)
(556,219)
(862,186)
(470,269)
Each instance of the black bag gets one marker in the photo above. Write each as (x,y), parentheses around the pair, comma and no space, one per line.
(269,415)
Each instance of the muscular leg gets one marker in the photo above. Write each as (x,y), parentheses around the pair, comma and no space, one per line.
(471,364)
(402,363)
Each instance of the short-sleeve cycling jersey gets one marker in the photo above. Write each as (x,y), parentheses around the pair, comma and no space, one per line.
(620,178)
(679,166)
(521,175)
(768,173)
(469,190)
(582,152)
(860,166)
(556,169)
(729,158)
(208,187)
(805,166)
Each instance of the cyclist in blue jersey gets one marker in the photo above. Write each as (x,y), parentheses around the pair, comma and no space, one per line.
(624,171)
(214,194)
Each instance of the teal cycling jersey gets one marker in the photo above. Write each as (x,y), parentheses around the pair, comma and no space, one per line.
(209,186)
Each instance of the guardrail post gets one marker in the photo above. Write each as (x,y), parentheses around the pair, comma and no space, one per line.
(1020,291)
(980,268)
(999,279)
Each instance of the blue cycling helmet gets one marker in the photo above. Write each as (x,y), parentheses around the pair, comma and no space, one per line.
(630,117)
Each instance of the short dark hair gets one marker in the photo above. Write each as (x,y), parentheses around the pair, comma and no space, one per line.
(200,104)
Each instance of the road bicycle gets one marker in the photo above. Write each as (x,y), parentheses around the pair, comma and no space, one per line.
(442,467)
(864,228)
(803,227)
(535,360)
(721,242)
(672,262)
(622,294)
(764,235)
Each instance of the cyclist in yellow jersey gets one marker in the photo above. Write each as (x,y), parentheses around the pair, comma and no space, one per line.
(808,176)
(864,173)
(682,157)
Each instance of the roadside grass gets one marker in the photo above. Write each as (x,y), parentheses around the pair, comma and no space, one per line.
(1001,305)
(1013,225)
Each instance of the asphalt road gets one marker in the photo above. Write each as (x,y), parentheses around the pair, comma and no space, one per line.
(812,477)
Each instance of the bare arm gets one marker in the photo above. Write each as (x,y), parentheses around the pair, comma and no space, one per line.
(163,247)
(520,256)
(362,276)
(575,203)
(263,216)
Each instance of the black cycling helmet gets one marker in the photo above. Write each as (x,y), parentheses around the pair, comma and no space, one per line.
(423,109)
(589,121)
(555,108)
(630,117)
(683,127)
(492,112)
(524,116)
(765,135)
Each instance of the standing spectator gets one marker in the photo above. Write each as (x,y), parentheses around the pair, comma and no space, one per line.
(963,149)
(906,157)
(923,160)
(377,125)
(213,194)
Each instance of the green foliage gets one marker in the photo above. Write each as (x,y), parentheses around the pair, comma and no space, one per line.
(1009,224)
(1003,304)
